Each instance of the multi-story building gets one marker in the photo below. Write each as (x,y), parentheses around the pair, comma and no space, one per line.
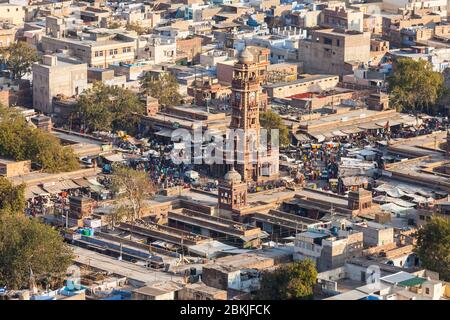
(11,13)
(329,249)
(93,15)
(375,234)
(339,17)
(334,51)
(54,77)
(157,49)
(438,58)
(283,43)
(7,35)
(407,30)
(302,18)
(210,58)
(441,210)
(435,6)
(189,48)
(97,48)
(309,83)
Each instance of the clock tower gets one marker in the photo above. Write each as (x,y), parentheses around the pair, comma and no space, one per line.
(245,103)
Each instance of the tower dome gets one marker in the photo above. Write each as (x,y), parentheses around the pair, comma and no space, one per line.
(233,176)
(245,56)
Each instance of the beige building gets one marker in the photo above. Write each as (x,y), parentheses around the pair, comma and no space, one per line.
(157,290)
(157,49)
(434,6)
(11,168)
(328,251)
(375,234)
(339,17)
(54,77)
(99,48)
(97,53)
(308,83)
(334,51)
(7,36)
(11,13)
(200,291)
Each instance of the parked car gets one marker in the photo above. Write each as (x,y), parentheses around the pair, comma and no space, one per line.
(87,162)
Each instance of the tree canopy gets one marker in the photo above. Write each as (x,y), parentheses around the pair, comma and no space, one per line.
(140,30)
(19,57)
(113,25)
(12,198)
(163,87)
(29,246)
(433,246)
(136,187)
(414,86)
(107,108)
(20,141)
(294,281)
(271,120)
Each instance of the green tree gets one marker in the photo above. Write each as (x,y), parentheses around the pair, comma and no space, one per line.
(414,86)
(18,58)
(27,245)
(20,141)
(294,281)
(433,246)
(119,213)
(163,87)
(140,30)
(135,186)
(12,198)
(271,120)
(113,25)
(108,108)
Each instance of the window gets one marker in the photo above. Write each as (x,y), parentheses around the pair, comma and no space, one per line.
(427,290)
(338,42)
(327,41)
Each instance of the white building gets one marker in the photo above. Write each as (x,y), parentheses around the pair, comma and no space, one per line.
(157,49)
(328,249)
(210,58)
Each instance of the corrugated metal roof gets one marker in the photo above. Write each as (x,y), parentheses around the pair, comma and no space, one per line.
(412,282)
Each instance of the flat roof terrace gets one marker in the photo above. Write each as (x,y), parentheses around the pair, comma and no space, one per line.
(426,145)
(221,225)
(164,233)
(285,220)
(321,196)
(358,116)
(302,80)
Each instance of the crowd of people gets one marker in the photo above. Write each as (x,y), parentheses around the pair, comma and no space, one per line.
(316,162)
